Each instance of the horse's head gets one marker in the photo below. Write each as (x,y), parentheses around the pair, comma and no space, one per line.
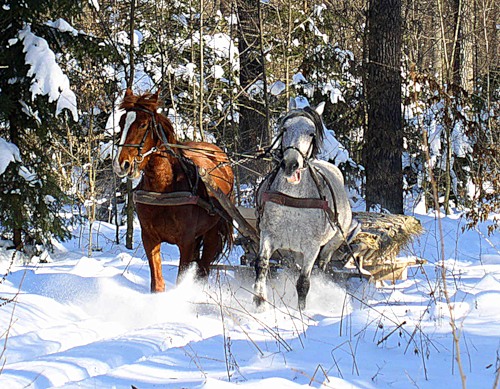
(138,135)
(302,136)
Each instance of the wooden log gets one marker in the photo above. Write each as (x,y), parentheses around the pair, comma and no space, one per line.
(249,215)
(376,246)
(396,270)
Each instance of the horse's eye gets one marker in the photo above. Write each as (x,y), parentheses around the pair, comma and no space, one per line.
(311,134)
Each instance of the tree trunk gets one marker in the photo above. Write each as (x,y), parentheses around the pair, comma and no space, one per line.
(384,135)
(129,238)
(201,106)
(253,129)
(468,28)
(451,35)
(14,131)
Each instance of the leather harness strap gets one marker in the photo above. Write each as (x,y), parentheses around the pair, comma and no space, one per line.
(332,214)
(165,199)
(173,199)
(294,202)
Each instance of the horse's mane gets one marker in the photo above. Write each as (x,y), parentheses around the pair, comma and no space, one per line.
(312,115)
(149,102)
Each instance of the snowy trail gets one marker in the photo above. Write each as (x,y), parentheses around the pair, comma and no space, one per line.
(84,322)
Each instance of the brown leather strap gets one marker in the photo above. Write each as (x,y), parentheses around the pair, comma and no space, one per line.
(165,199)
(333,215)
(294,202)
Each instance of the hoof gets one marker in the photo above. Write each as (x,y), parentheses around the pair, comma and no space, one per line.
(259,300)
(158,289)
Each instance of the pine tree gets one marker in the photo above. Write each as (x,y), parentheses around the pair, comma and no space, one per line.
(32,116)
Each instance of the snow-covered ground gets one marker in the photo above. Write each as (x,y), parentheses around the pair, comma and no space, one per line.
(80,322)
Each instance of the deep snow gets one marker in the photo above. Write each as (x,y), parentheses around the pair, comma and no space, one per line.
(80,322)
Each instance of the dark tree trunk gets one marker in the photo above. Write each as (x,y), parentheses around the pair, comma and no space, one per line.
(384,134)
(14,131)
(454,37)
(253,130)
(252,117)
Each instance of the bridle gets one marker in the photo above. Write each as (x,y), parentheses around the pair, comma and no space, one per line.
(156,128)
(153,127)
(308,154)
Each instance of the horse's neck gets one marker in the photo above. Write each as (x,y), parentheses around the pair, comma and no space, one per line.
(167,129)
(161,174)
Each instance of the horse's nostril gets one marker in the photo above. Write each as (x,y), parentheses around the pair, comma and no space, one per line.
(126,165)
(295,166)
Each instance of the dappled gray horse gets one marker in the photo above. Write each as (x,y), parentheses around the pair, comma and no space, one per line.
(303,206)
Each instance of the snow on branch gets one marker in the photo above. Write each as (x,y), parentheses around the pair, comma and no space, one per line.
(63,26)
(48,78)
(8,153)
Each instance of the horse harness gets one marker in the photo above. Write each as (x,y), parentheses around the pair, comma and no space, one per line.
(174,198)
(305,203)
(307,113)
(296,202)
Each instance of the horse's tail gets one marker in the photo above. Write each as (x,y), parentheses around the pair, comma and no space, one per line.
(225,227)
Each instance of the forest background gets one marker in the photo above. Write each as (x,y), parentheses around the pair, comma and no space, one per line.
(411,90)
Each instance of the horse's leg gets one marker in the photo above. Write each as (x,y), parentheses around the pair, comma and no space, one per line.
(187,254)
(261,270)
(196,253)
(212,247)
(152,248)
(328,251)
(304,281)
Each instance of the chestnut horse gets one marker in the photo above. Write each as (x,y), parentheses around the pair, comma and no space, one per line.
(148,145)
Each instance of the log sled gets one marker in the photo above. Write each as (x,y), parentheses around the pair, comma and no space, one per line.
(372,253)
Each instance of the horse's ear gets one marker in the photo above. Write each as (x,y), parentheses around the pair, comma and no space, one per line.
(320,108)
(292,104)
(156,95)
(128,92)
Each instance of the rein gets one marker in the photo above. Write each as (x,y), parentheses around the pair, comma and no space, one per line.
(333,216)
(160,132)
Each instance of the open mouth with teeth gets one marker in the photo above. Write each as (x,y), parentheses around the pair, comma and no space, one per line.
(295,177)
